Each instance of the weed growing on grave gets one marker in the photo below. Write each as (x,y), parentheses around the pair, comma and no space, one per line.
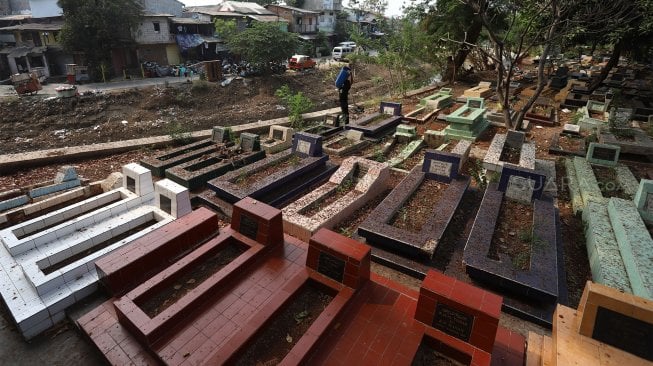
(478,174)
(241,178)
(297,104)
(521,259)
(345,232)
(377,155)
(294,160)
(345,186)
(576,117)
(179,133)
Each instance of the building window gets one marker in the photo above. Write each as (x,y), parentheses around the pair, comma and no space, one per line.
(310,21)
(157,27)
(299,21)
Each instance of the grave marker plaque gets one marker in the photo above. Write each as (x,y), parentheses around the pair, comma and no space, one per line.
(248,226)
(440,168)
(165,204)
(131,184)
(624,332)
(304,147)
(602,153)
(331,266)
(520,189)
(388,110)
(277,134)
(453,322)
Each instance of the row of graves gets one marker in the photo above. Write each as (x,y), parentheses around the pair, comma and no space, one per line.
(277,286)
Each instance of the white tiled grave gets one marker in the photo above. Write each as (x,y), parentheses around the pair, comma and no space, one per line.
(37,294)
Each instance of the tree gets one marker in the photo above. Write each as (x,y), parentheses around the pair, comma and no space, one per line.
(629,28)
(515,29)
(372,6)
(225,28)
(95,27)
(407,49)
(264,43)
(449,19)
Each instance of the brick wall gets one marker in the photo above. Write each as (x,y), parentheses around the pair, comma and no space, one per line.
(146,33)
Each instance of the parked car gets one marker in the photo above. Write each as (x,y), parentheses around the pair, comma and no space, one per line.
(340,53)
(301,62)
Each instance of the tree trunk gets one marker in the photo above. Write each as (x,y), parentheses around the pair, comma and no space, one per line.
(473,32)
(614,61)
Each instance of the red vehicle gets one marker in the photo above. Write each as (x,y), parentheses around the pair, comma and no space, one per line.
(301,62)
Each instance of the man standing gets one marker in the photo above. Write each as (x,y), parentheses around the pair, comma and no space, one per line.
(343,91)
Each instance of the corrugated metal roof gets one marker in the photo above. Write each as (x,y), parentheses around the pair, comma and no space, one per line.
(34,26)
(268,18)
(189,21)
(15,17)
(298,10)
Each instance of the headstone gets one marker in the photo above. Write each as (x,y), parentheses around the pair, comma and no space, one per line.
(520,189)
(137,179)
(332,119)
(393,109)
(622,320)
(644,199)
(65,174)
(250,142)
(603,154)
(354,135)
(257,221)
(306,144)
(172,198)
(221,134)
(339,258)
(570,129)
(515,139)
(523,190)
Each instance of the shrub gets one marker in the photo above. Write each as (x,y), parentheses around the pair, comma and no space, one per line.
(297,104)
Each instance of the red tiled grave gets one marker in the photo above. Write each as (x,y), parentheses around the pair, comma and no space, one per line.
(371,320)
(130,265)
(459,309)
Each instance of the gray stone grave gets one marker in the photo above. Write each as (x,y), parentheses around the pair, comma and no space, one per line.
(250,142)
(221,134)
(603,154)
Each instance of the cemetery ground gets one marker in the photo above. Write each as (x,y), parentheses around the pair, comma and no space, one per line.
(34,124)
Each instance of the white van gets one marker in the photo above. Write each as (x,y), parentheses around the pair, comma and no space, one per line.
(340,53)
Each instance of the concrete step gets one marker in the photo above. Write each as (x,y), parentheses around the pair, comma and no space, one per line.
(635,245)
(602,249)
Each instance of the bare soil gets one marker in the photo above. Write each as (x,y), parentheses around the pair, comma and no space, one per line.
(510,155)
(513,234)
(30,124)
(428,356)
(275,340)
(277,166)
(567,143)
(414,213)
(341,190)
